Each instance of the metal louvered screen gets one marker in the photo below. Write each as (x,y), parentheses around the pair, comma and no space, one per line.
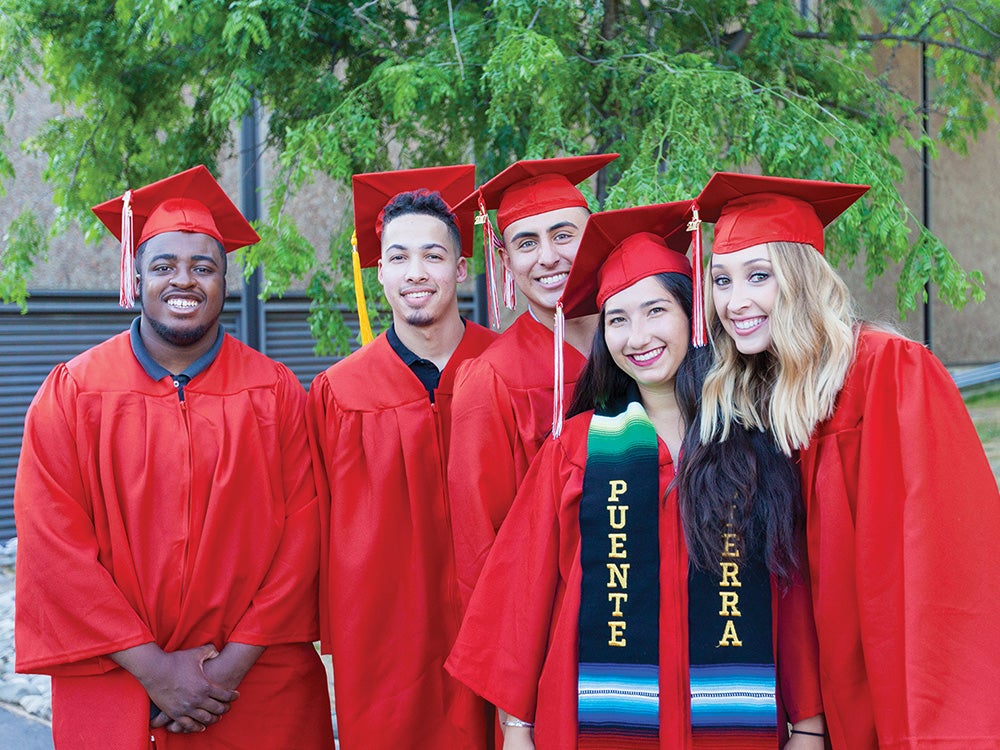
(286,337)
(59,326)
(56,329)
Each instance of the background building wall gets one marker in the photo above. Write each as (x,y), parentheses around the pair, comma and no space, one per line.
(964,200)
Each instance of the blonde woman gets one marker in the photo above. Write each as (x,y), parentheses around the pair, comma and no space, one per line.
(901,504)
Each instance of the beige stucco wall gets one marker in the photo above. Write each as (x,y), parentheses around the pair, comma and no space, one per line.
(71,265)
(74,264)
(964,202)
(964,199)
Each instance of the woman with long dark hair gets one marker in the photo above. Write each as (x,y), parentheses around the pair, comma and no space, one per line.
(901,505)
(589,628)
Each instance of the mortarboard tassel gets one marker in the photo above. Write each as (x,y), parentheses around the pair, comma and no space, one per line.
(698,332)
(559,331)
(491,246)
(509,290)
(127,283)
(489,266)
(359,292)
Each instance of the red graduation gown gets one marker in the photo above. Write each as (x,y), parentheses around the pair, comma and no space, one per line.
(143,518)
(389,604)
(501,416)
(518,642)
(902,508)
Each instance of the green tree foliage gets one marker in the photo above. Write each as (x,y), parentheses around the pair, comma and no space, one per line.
(23,243)
(681,88)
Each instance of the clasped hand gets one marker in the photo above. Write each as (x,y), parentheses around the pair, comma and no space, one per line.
(181,687)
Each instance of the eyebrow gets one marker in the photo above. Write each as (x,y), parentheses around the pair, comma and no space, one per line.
(553,228)
(644,305)
(172,256)
(562,224)
(522,235)
(427,246)
(746,263)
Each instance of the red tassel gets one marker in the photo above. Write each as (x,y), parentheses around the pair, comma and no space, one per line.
(699,335)
(491,245)
(559,331)
(509,290)
(127,286)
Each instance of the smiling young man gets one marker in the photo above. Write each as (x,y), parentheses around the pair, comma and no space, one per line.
(504,399)
(379,427)
(184,279)
(167,519)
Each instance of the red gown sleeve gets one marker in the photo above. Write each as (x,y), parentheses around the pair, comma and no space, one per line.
(926,495)
(70,612)
(284,609)
(797,650)
(502,645)
(482,476)
(925,507)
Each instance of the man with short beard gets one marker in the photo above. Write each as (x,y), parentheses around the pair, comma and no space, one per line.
(167,519)
(379,427)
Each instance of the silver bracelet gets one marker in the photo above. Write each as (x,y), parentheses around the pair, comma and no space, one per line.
(510,721)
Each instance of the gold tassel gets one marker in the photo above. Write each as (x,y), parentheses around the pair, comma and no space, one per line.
(359,293)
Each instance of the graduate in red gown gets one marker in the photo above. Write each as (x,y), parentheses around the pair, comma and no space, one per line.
(379,428)
(899,496)
(168,541)
(504,399)
(589,627)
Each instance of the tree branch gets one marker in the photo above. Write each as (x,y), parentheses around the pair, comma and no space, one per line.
(454,39)
(972,20)
(915,39)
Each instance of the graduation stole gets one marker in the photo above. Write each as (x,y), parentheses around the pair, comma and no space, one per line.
(731,653)
(618,685)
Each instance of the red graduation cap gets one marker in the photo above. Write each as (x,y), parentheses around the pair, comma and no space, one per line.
(190,201)
(750,210)
(372,193)
(533,186)
(374,190)
(527,188)
(618,248)
(621,247)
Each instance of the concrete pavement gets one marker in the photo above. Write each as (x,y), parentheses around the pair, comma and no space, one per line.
(21,731)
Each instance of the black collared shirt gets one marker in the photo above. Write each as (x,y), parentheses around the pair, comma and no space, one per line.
(426,371)
(157,371)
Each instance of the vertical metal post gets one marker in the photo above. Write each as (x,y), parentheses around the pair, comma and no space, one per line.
(481,306)
(925,175)
(252,314)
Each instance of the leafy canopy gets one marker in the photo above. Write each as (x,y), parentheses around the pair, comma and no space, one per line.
(681,88)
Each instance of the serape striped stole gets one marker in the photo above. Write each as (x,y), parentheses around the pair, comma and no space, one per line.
(731,652)
(618,698)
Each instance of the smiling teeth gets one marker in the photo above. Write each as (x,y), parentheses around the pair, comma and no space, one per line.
(418,295)
(187,303)
(646,356)
(744,325)
(556,278)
